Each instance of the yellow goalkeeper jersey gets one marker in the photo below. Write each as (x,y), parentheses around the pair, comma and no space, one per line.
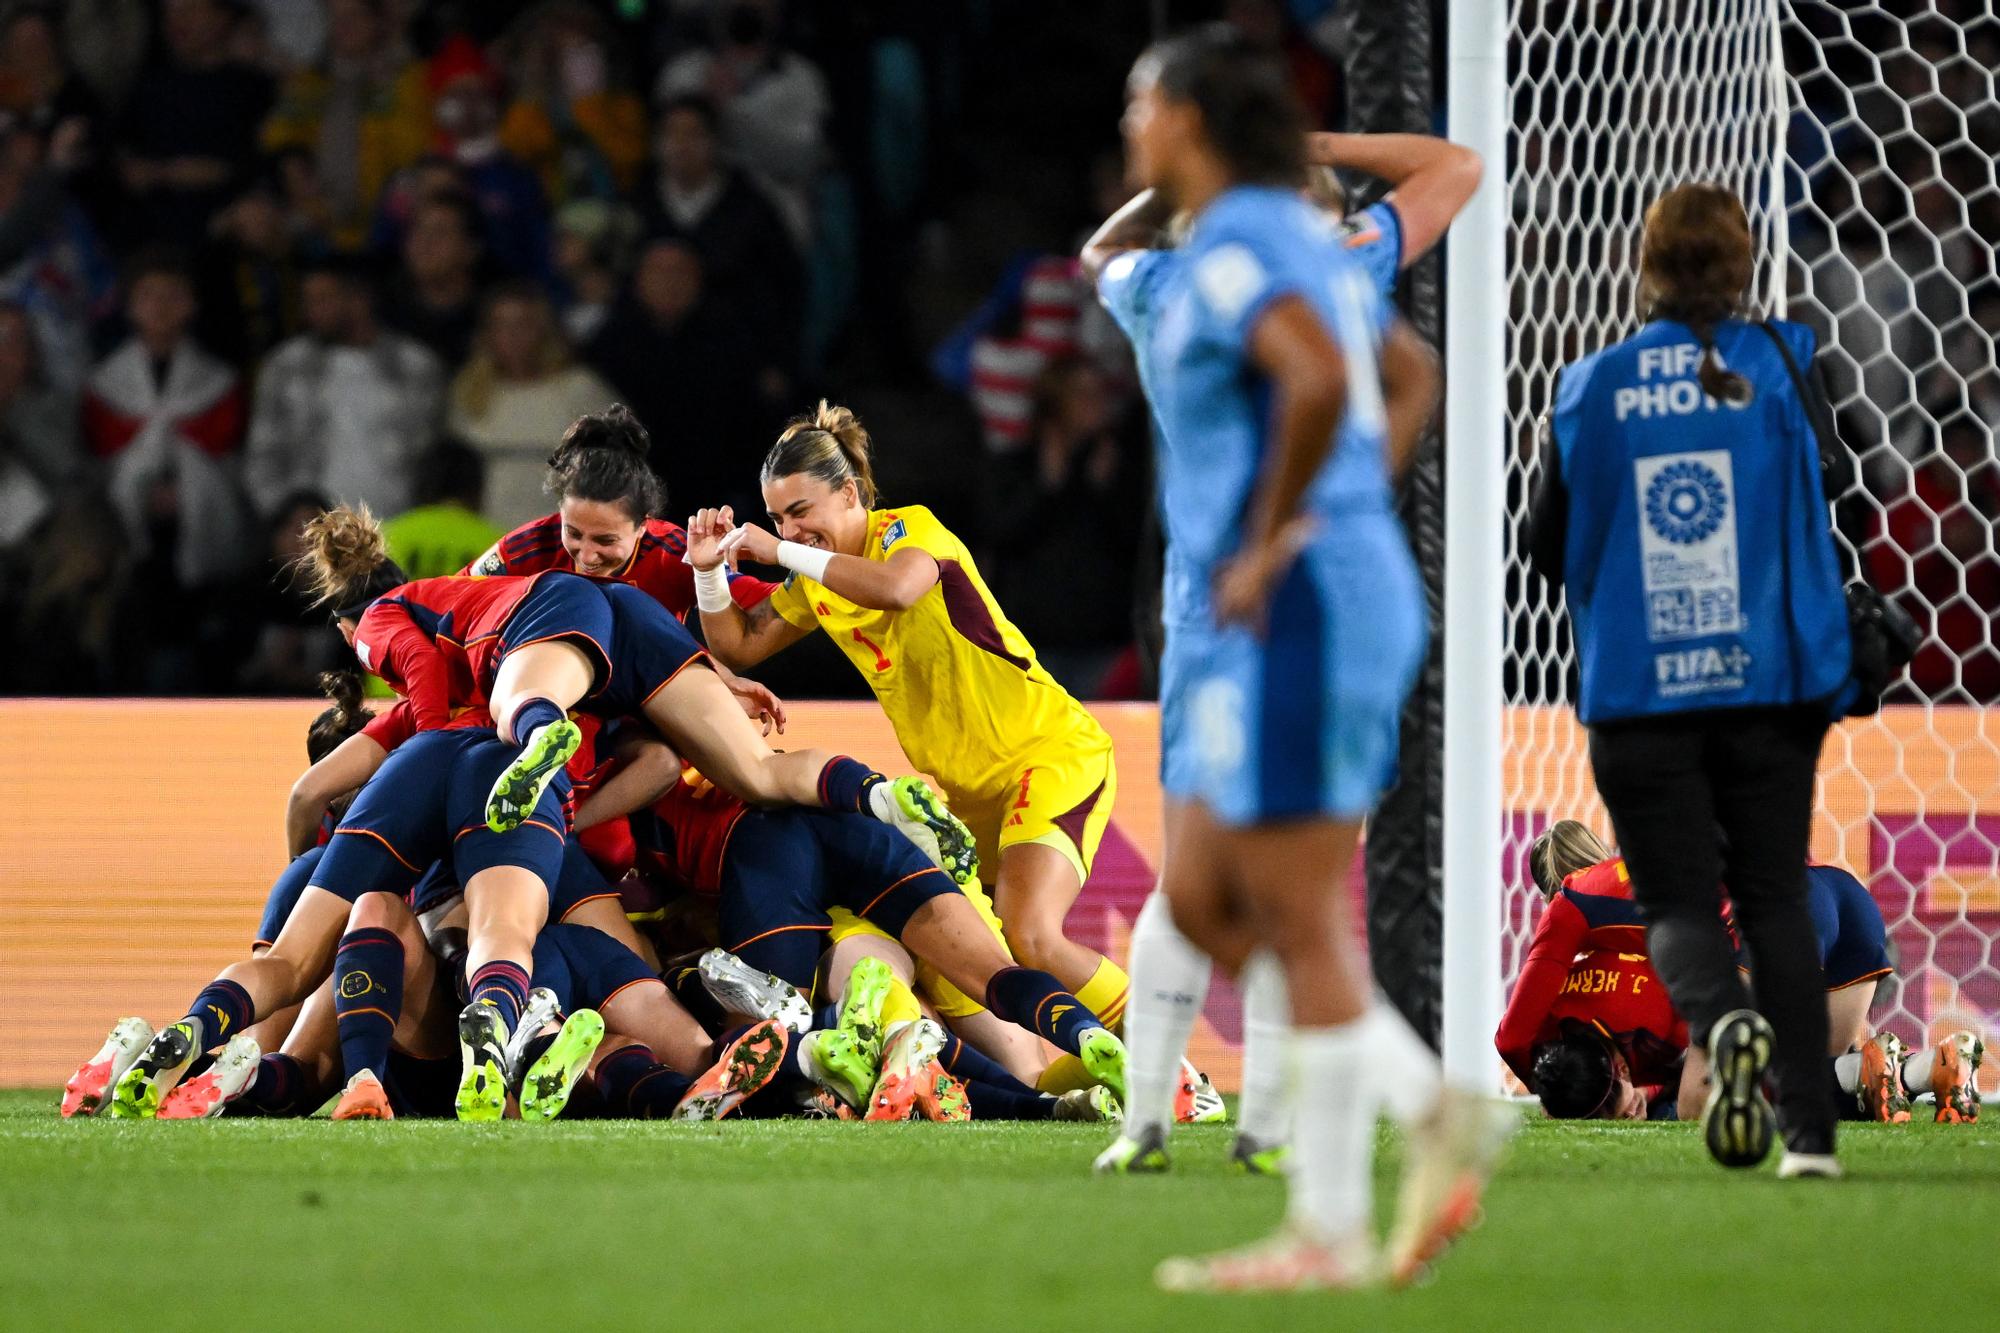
(960,684)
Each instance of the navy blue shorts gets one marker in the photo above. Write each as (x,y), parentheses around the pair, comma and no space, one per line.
(585,967)
(786,867)
(284,895)
(437,885)
(648,648)
(578,882)
(427,803)
(1853,942)
(563,608)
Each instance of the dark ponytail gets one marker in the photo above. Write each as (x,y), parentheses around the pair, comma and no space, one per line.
(1250,114)
(603,458)
(1695,262)
(337,723)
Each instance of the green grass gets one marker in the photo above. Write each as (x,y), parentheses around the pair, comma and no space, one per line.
(792,1225)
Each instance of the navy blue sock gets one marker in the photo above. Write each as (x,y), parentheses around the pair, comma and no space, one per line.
(966,1063)
(635,1085)
(826,1016)
(532,714)
(277,1088)
(1037,1001)
(367,998)
(220,1012)
(992,1101)
(505,984)
(844,784)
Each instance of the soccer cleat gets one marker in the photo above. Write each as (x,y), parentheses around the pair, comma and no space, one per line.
(482,1053)
(364,1098)
(906,1063)
(91,1084)
(1447,1163)
(1092,1105)
(820,1104)
(943,833)
(1196,1102)
(751,1062)
(1737,1122)
(541,1011)
(1103,1057)
(742,989)
(137,1094)
(861,1001)
(834,1061)
(1808,1166)
(215,1087)
(1128,1156)
(942,1098)
(1880,1093)
(546,1086)
(517,790)
(1293,1260)
(1955,1078)
(1259,1159)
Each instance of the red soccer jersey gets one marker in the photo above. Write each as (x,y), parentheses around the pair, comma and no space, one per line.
(436,641)
(690,832)
(1620,994)
(655,565)
(1592,912)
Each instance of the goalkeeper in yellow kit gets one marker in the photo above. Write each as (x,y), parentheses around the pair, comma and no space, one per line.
(1020,761)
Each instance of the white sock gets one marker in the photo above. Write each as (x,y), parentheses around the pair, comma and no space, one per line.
(1406,1075)
(1264,1111)
(1847,1069)
(1333,1144)
(882,804)
(1169,986)
(1918,1068)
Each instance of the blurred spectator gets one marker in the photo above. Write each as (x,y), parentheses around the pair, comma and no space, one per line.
(308,218)
(37,422)
(593,249)
(445,532)
(346,407)
(189,133)
(1315,77)
(435,297)
(571,121)
(50,261)
(106,41)
(70,602)
(683,364)
(167,419)
(465,110)
(773,102)
(516,397)
(1063,519)
(365,113)
(249,277)
(748,261)
(38,90)
(294,31)
(1009,357)
(1933,550)
(281,640)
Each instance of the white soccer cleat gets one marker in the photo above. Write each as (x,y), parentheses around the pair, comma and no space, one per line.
(1295,1259)
(1196,1102)
(1808,1166)
(204,1095)
(541,1011)
(742,989)
(90,1086)
(1448,1161)
(1091,1105)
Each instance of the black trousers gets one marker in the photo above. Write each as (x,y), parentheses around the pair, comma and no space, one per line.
(1704,799)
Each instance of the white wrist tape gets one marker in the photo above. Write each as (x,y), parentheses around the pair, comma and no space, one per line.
(807,560)
(711,589)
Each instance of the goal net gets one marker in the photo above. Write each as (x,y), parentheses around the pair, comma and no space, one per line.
(1862,138)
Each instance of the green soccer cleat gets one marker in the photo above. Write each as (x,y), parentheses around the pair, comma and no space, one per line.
(861,1002)
(516,791)
(1092,1105)
(482,1051)
(834,1061)
(139,1091)
(922,815)
(1103,1057)
(1258,1159)
(1737,1122)
(546,1087)
(1127,1156)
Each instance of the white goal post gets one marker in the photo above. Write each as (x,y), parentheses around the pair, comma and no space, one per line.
(1862,138)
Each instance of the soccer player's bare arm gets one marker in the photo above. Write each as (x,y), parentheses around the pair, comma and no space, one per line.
(1432,178)
(1410,383)
(742,638)
(645,771)
(351,764)
(1139,225)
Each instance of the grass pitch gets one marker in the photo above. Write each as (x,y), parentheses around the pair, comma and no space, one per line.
(793,1225)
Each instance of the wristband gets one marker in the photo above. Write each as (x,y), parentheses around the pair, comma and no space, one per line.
(711,589)
(807,560)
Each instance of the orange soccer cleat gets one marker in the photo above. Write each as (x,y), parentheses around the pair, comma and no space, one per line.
(1292,1260)
(749,1064)
(90,1086)
(1955,1078)
(941,1097)
(1881,1090)
(364,1098)
(206,1094)
(906,1060)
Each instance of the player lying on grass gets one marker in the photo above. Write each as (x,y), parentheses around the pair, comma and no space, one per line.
(1590,916)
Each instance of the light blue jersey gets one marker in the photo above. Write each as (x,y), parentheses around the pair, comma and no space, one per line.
(1302,720)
